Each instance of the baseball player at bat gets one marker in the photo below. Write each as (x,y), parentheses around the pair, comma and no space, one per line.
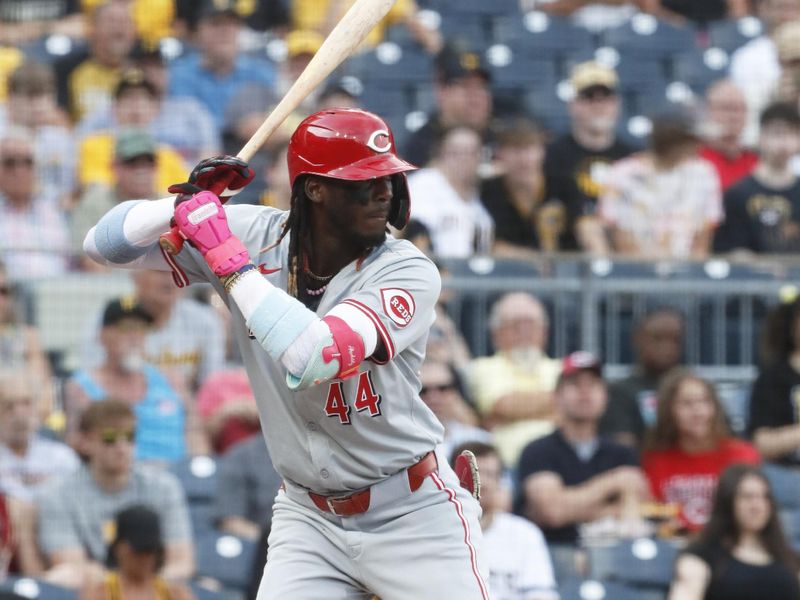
(331,315)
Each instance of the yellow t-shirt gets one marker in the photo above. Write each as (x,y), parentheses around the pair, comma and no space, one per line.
(492,377)
(153,18)
(10,59)
(91,87)
(96,158)
(310,14)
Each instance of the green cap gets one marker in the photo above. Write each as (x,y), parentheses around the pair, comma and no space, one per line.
(132,143)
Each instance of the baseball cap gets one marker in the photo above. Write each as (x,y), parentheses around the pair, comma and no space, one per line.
(580,361)
(131,79)
(787,41)
(125,308)
(592,74)
(213,8)
(454,62)
(132,143)
(303,41)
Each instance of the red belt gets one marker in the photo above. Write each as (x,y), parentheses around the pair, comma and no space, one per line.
(354,504)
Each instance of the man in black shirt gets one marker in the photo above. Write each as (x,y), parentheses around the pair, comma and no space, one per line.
(762,211)
(576,162)
(463,99)
(658,342)
(572,476)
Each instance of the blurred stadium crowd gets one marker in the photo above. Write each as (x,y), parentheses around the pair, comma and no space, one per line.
(610,190)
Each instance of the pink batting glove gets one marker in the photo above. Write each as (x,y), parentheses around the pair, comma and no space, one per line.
(201,220)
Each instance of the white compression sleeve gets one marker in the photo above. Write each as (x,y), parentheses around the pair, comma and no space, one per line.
(146,221)
(252,288)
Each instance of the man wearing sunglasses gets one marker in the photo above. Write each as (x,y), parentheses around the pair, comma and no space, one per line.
(77,513)
(575,163)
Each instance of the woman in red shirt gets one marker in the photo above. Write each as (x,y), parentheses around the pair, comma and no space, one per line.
(690,446)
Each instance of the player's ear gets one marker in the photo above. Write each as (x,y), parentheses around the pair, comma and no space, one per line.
(313,189)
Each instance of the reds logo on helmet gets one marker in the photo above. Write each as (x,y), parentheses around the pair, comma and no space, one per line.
(398,305)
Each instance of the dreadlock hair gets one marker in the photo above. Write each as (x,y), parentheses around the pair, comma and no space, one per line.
(296,224)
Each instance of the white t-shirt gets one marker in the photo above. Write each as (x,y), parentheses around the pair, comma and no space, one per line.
(755,69)
(519,563)
(459,228)
(21,476)
(662,210)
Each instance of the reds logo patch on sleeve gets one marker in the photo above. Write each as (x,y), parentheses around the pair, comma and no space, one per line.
(398,305)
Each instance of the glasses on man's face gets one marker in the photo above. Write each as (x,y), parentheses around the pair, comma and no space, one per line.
(445,387)
(111,436)
(12,162)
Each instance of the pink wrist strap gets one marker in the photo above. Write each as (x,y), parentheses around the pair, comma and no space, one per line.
(202,221)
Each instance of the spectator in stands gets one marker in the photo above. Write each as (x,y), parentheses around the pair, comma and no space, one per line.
(445,342)
(519,561)
(227,407)
(135,108)
(20,346)
(135,558)
(762,211)
(18,551)
(152,18)
(513,389)
(164,423)
(180,122)
(658,343)
(86,82)
(278,192)
(34,237)
(260,16)
(449,205)
(576,164)
(755,67)
(573,476)
(463,99)
(186,340)
(742,551)
(27,460)
(774,420)
(246,488)
(788,47)
(690,446)
(725,118)
(663,203)
(516,198)
(301,46)
(218,70)
(22,21)
(594,15)
(323,15)
(75,513)
(443,392)
(134,172)
(32,104)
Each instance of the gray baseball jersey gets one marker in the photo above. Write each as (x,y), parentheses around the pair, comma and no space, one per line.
(341,435)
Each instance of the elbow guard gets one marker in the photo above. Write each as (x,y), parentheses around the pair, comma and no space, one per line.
(336,356)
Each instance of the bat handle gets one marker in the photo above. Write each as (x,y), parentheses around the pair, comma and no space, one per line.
(171,242)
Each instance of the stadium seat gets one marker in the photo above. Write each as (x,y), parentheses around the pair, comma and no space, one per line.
(645,36)
(226,558)
(785,484)
(790,519)
(542,36)
(35,589)
(475,7)
(385,101)
(202,592)
(548,108)
(512,67)
(734,33)
(390,64)
(467,30)
(592,589)
(642,562)
(698,69)
(198,477)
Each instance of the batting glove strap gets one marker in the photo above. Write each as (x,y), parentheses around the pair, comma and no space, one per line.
(201,220)
(225,176)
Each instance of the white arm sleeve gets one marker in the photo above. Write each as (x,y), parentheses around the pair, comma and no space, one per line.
(252,288)
(146,221)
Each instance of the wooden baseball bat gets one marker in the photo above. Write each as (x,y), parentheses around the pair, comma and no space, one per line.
(348,33)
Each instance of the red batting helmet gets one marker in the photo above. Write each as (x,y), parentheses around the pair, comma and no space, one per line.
(353,145)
